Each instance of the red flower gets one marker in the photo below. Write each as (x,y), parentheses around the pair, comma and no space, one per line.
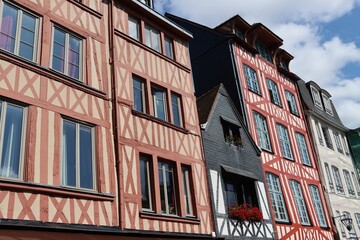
(245,212)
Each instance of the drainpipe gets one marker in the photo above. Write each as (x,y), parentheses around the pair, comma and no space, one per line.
(115,114)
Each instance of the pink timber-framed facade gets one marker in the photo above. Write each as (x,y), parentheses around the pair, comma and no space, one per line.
(169,137)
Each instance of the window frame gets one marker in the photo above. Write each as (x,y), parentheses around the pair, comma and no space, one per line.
(337,142)
(316,97)
(262,132)
(327,104)
(252,81)
(284,141)
(18,29)
(179,108)
(136,23)
(329,177)
(291,100)
(356,182)
(264,51)
(273,92)
(175,190)
(319,133)
(349,184)
(300,202)
(276,195)
(149,40)
(327,138)
(319,208)
(337,179)
(3,117)
(143,94)
(147,159)
(81,40)
(188,196)
(169,47)
(164,99)
(357,219)
(78,124)
(303,149)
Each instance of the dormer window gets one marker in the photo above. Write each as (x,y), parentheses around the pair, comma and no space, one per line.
(316,97)
(239,34)
(327,105)
(148,3)
(264,51)
(284,65)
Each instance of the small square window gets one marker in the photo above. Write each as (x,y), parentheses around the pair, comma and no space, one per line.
(19,31)
(78,155)
(67,53)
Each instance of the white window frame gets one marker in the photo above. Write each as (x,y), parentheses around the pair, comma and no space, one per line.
(93,152)
(349,183)
(342,229)
(337,178)
(300,202)
(277,198)
(3,115)
(316,97)
(327,104)
(357,218)
(327,138)
(356,182)
(329,177)
(284,141)
(18,29)
(319,209)
(337,142)
(319,133)
(251,79)
(262,131)
(304,153)
(67,47)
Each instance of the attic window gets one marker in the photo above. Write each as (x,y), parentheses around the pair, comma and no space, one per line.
(284,65)
(316,97)
(231,133)
(264,51)
(239,34)
(327,105)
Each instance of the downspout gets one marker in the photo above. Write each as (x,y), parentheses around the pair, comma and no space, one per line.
(115,115)
(238,84)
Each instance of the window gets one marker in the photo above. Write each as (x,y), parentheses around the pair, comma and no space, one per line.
(357,218)
(159,103)
(139,94)
(66,53)
(345,146)
(327,104)
(78,159)
(349,184)
(169,49)
(12,136)
(186,177)
(240,190)
(264,51)
(145,173)
(342,229)
(356,182)
(251,79)
(337,142)
(316,97)
(239,34)
(291,103)
(231,133)
(147,3)
(284,65)
(18,33)
(352,234)
(167,187)
(277,199)
(318,132)
(337,178)
(273,92)
(152,38)
(331,184)
(304,154)
(327,138)
(300,202)
(262,131)
(284,141)
(134,28)
(315,195)
(176,109)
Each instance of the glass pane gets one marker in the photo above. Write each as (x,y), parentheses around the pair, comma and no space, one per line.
(69,154)
(145,194)
(28,21)
(10,158)
(159,103)
(26,51)
(86,158)
(134,28)
(59,36)
(162,188)
(170,188)
(58,64)
(138,95)
(176,110)
(8,27)
(27,35)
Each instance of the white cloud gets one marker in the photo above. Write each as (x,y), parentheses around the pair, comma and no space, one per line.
(299,24)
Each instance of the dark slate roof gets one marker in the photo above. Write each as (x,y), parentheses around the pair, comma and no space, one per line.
(205,103)
(305,93)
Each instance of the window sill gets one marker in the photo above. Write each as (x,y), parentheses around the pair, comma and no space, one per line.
(18,185)
(161,217)
(257,93)
(157,120)
(283,222)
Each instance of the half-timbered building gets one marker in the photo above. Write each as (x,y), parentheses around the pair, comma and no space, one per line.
(57,167)
(335,162)
(248,60)
(234,168)
(162,176)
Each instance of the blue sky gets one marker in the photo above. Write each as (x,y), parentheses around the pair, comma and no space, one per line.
(322,35)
